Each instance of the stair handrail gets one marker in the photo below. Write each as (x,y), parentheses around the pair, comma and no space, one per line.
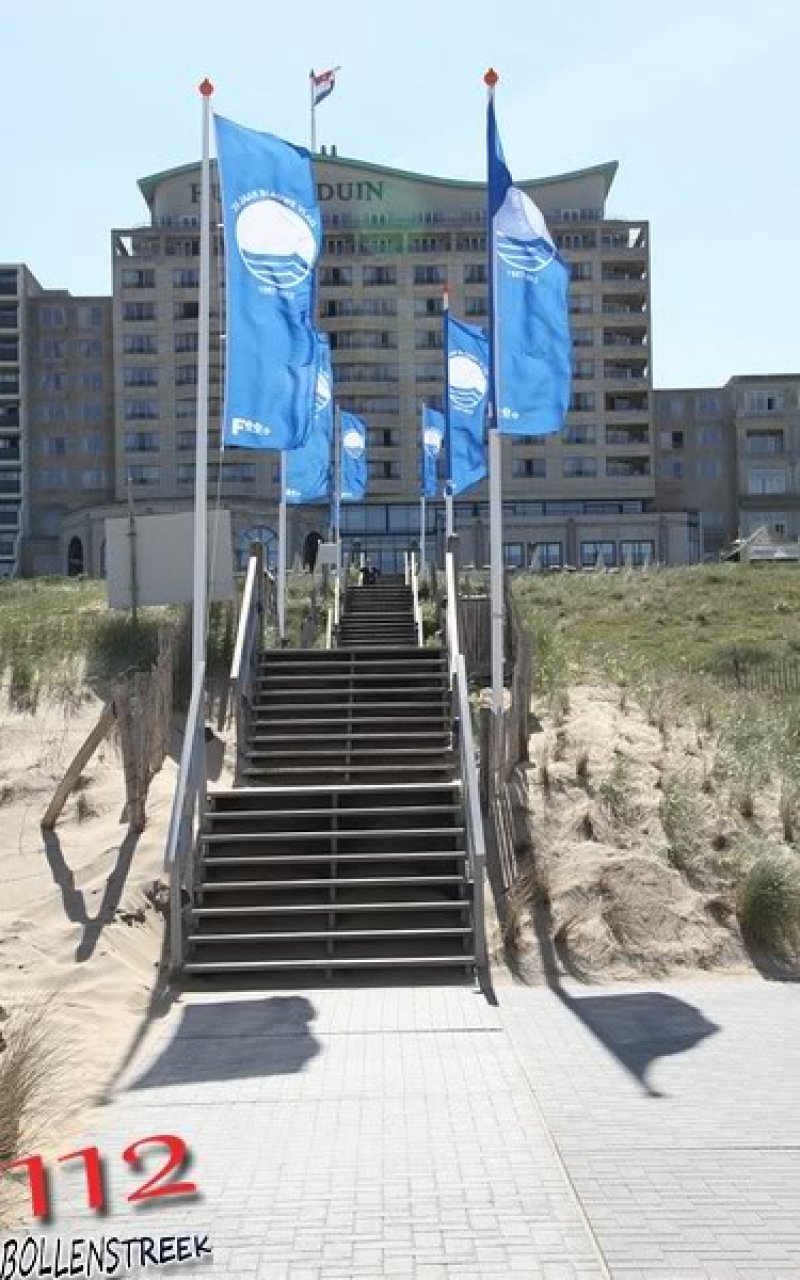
(470,788)
(188,808)
(246,651)
(414,575)
(329,628)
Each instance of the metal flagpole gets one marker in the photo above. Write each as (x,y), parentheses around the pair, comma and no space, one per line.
(448,451)
(422,533)
(313,113)
(201,440)
(495,457)
(282,554)
(337,487)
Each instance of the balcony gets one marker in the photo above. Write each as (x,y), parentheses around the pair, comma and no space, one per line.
(9,385)
(627,468)
(624,309)
(628,436)
(9,450)
(636,402)
(624,373)
(762,445)
(627,340)
(11,483)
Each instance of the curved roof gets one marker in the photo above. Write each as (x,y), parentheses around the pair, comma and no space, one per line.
(608,171)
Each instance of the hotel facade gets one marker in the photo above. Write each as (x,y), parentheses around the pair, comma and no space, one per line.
(600,490)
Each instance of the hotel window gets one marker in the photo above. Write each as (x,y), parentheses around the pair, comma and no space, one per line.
(52,413)
(93,478)
(52,349)
(637,553)
(384,438)
(583,337)
(428,340)
(139,311)
(140,376)
(138,278)
(53,478)
(583,369)
(671,469)
(185,440)
(367,373)
(93,444)
(186,375)
(671,440)
(186,407)
(428,307)
(379,470)
(548,555)
(627,468)
(475,273)
(476,306)
(582,402)
(709,434)
(139,473)
(140,410)
(93,413)
(187,342)
(372,404)
(54,446)
(141,442)
(575,468)
(529,468)
(90,317)
(764,442)
(336,276)
(185,473)
(380,275)
(430,275)
(767,481)
(186,310)
(709,468)
(764,401)
(186,278)
(89,348)
(707,402)
(238,473)
(513,555)
(592,552)
(139,344)
(53,381)
(581,434)
(581,270)
(429,372)
(52,317)
(471,244)
(92,381)
(582,302)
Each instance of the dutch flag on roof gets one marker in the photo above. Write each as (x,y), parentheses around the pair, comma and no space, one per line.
(323,83)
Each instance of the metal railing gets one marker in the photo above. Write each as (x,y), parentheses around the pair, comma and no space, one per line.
(470,789)
(413,574)
(245,653)
(188,808)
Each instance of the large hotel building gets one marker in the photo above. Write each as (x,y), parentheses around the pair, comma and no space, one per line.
(97,396)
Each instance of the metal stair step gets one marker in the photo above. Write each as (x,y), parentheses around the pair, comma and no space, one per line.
(373,962)
(381,811)
(341,935)
(305,859)
(353,833)
(338,882)
(335,908)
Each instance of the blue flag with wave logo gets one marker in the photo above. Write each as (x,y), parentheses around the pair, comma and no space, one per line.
(467,368)
(532,363)
(308,469)
(354,458)
(272,241)
(432,441)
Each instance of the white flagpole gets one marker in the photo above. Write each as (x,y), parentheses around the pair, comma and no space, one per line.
(200,588)
(337,489)
(448,452)
(313,113)
(282,554)
(422,533)
(495,465)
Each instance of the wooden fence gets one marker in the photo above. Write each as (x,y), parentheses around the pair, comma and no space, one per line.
(780,678)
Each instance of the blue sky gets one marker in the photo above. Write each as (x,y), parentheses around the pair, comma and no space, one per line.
(697,100)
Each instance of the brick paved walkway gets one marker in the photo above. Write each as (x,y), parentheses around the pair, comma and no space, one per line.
(638,1132)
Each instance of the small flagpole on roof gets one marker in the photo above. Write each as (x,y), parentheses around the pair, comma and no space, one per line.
(495,453)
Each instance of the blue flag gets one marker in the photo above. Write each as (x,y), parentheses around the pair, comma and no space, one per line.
(432,441)
(272,240)
(354,458)
(467,349)
(308,469)
(529,307)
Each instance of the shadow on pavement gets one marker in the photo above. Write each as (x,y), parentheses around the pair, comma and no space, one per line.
(234,1040)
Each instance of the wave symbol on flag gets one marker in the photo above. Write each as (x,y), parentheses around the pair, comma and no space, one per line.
(432,439)
(523,241)
(468,382)
(353,442)
(275,243)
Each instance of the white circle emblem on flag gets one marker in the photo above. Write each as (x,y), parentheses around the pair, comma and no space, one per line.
(523,241)
(432,439)
(276,243)
(353,442)
(468,382)
(322,394)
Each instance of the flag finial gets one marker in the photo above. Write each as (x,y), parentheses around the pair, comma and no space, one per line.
(206,88)
(491,78)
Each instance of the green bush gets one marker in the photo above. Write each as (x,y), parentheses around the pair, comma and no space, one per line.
(769,902)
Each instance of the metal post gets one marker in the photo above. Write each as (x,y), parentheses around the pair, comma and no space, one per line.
(132,550)
(495,460)
(282,557)
(422,534)
(448,512)
(448,444)
(313,113)
(337,487)
(201,446)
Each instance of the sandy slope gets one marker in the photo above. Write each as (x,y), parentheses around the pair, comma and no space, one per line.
(76,926)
